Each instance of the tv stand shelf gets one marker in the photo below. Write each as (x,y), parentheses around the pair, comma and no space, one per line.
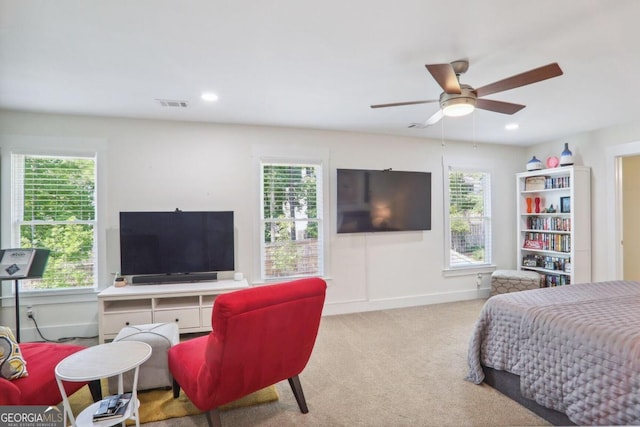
(187,304)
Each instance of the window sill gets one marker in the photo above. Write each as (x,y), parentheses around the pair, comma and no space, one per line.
(469,271)
(263,282)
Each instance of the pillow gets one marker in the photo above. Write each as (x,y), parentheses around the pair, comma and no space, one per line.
(12,365)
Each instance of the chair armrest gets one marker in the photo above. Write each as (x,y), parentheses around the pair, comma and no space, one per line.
(10,394)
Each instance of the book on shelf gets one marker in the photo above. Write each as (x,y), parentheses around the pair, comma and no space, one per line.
(532,244)
(112,407)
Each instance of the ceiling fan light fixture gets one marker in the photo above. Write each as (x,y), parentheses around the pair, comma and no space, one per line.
(458,107)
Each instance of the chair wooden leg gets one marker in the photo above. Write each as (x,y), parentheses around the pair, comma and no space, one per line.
(296,387)
(176,389)
(213,418)
(96,390)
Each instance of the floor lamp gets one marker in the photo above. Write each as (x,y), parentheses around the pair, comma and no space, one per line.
(18,264)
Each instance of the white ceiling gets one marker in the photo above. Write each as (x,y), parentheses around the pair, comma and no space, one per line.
(320,64)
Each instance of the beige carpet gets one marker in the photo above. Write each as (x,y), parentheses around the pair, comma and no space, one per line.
(387,368)
(157,405)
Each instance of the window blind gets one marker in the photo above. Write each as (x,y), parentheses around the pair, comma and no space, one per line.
(469,218)
(292,223)
(54,207)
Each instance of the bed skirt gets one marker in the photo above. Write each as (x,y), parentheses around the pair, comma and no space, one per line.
(509,385)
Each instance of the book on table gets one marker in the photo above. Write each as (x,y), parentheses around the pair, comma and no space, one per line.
(112,407)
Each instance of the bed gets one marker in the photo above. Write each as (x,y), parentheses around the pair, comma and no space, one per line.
(574,349)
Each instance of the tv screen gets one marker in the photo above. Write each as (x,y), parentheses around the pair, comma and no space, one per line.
(176,242)
(383,200)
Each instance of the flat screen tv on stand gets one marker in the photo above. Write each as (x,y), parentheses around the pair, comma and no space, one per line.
(176,246)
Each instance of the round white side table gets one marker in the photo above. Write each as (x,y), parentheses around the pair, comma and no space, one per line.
(103,361)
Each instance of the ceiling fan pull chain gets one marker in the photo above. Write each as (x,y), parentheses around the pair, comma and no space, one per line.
(475,143)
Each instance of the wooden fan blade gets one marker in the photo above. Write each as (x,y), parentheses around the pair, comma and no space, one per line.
(532,76)
(498,106)
(435,118)
(445,76)
(399,104)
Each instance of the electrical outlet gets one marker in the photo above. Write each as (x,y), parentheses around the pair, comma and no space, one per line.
(29,311)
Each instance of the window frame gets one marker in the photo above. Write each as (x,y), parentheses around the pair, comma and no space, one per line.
(463,166)
(18,221)
(284,153)
(320,219)
(64,147)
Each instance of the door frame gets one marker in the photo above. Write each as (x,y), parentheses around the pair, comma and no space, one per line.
(614,199)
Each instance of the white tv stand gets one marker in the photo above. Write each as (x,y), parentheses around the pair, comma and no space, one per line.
(187,304)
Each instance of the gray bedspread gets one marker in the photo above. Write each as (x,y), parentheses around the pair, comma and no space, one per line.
(576,348)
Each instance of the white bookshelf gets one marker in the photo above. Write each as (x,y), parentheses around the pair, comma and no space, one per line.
(555,244)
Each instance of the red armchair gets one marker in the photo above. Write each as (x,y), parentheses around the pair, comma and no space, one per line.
(260,337)
(40,386)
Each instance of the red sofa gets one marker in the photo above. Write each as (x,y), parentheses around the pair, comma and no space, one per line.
(260,336)
(40,386)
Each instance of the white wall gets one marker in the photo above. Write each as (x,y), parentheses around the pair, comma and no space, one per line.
(595,149)
(159,165)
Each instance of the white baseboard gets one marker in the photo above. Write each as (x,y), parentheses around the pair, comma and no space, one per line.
(28,333)
(356,306)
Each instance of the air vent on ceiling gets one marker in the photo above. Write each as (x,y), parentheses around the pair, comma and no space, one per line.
(172,103)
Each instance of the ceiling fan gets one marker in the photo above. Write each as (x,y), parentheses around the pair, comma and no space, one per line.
(461,99)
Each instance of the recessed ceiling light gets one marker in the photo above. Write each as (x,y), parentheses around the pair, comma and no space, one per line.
(209,96)
(512,126)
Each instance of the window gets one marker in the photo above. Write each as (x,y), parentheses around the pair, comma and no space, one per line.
(54,207)
(291,220)
(469,218)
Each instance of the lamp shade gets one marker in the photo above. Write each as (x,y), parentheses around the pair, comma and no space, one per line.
(457,107)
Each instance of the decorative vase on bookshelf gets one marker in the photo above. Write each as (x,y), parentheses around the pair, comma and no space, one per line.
(534,164)
(566,158)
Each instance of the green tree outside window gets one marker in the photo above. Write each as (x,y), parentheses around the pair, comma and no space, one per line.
(468,220)
(291,244)
(56,209)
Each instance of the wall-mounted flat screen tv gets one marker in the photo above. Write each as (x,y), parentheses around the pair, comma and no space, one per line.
(383,200)
(176,242)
